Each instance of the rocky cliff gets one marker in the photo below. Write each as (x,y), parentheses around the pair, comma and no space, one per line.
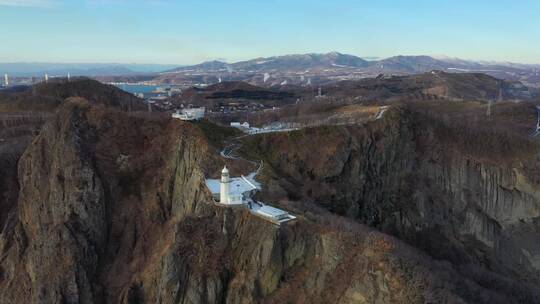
(16,133)
(465,194)
(112,208)
(24,110)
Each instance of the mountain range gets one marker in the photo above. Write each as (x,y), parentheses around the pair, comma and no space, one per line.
(298,69)
(30,69)
(282,63)
(317,69)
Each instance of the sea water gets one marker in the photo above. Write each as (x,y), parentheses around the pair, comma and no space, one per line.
(137,88)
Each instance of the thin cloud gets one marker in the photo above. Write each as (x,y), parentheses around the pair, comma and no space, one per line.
(28,3)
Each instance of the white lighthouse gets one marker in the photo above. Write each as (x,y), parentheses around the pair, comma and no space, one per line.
(225,184)
(6,80)
(232,191)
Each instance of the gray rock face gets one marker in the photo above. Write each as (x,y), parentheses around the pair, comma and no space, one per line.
(493,211)
(62,237)
(60,193)
(396,174)
(16,133)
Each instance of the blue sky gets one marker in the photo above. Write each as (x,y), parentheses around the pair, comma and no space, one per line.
(191,31)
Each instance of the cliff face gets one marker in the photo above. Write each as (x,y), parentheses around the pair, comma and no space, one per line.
(112,208)
(16,133)
(80,210)
(426,183)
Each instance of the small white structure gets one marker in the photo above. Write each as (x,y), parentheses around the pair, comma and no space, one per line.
(6,80)
(46,78)
(190,114)
(273,213)
(319,94)
(238,125)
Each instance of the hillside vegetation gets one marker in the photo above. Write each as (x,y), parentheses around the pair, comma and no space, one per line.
(442,176)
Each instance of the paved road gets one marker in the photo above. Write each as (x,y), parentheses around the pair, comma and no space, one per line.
(382,110)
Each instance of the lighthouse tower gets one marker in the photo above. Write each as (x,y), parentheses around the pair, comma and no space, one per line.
(225,184)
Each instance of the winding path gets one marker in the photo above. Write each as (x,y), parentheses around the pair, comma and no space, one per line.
(537,132)
(227,153)
(382,110)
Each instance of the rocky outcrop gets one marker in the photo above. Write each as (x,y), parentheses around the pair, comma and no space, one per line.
(79,198)
(417,180)
(113,209)
(16,133)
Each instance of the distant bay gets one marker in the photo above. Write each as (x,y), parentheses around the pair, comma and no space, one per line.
(137,88)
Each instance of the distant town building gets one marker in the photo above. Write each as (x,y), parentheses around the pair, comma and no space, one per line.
(190,114)
(270,128)
(238,125)
(175,91)
(158,98)
(319,93)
